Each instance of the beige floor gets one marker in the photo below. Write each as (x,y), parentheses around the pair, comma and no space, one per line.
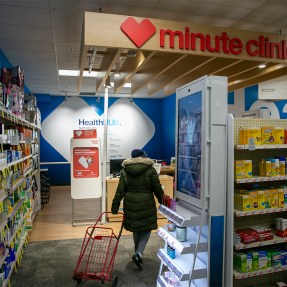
(54,221)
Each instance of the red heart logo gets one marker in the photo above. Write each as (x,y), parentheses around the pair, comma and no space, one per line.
(139,33)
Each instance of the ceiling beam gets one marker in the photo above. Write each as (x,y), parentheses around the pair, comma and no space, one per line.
(185,65)
(269,74)
(160,63)
(106,67)
(208,68)
(82,64)
(130,66)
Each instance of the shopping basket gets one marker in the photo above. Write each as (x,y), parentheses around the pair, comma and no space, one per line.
(97,256)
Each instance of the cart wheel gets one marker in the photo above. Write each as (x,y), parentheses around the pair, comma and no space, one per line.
(115,281)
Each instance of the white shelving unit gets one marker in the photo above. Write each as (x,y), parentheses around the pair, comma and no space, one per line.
(200,185)
(244,219)
(16,214)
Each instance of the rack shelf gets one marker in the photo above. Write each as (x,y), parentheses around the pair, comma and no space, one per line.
(182,217)
(275,240)
(238,275)
(239,213)
(14,162)
(261,179)
(179,265)
(183,247)
(263,146)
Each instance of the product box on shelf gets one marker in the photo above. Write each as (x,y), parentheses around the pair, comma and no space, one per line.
(279,136)
(248,168)
(239,169)
(256,134)
(267,134)
(261,199)
(243,262)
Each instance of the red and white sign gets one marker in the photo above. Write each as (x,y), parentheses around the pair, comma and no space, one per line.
(86,162)
(85,134)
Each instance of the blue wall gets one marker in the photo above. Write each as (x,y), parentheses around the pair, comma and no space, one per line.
(60,174)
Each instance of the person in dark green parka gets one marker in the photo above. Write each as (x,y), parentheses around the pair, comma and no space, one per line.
(138,184)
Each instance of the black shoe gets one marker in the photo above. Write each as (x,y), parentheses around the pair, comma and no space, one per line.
(138,261)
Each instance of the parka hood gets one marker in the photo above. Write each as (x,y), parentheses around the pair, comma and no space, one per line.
(138,165)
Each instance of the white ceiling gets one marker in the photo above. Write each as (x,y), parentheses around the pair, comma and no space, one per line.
(42,36)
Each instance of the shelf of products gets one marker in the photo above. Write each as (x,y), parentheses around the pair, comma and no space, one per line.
(19,162)
(187,246)
(238,275)
(264,146)
(240,213)
(179,252)
(256,202)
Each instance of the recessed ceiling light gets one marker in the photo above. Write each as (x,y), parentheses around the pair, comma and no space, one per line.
(262,66)
(69,73)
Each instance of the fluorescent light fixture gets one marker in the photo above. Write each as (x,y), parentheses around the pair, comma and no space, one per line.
(76,73)
(92,74)
(262,66)
(69,73)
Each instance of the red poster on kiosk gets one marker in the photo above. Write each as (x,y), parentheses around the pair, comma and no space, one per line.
(85,134)
(86,162)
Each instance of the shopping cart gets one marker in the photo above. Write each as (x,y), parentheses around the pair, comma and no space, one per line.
(97,254)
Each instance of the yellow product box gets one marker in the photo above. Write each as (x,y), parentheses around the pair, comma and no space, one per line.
(262,168)
(267,198)
(237,194)
(267,134)
(248,168)
(256,134)
(243,202)
(261,199)
(280,197)
(243,136)
(279,136)
(253,199)
(239,169)
(273,199)
(268,168)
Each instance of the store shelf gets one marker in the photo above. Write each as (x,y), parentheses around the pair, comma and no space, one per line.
(238,275)
(239,213)
(16,207)
(3,221)
(17,120)
(182,217)
(275,240)
(2,259)
(3,194)
(161,281)
(183,247)
(263,146)
(17,184)
(9,242)
(14,162)
(28,170)
(182,264)
(6,282)
(261,179)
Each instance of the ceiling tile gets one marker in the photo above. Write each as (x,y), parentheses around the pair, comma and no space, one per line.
(22,45)
(25,16)
(26,33)
(68,19)
(68,36)
(27,3)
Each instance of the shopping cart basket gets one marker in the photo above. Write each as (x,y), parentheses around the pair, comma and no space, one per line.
(97,254)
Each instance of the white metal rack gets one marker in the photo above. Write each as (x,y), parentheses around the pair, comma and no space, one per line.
(200,187)
(235,218)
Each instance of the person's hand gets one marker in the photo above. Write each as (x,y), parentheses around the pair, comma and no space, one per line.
(114,211)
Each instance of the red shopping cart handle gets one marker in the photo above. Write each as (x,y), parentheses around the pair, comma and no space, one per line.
(99,219)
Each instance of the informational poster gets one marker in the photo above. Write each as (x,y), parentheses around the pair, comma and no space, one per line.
(86,179)
(86,162)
